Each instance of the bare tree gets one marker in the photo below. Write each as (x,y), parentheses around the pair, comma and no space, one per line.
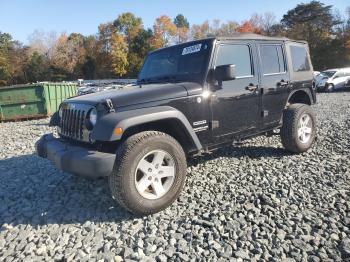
(43,42)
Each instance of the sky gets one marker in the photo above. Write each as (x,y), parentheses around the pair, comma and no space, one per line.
(21,18)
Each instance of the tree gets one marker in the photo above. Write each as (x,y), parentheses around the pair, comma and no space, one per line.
(138,50)
(5,67)
(228,29)
(314,22)
(262,24)
(89,67)
(119,54)
(164,30)
(37,68)
(182,26)
(200,31)
(103,51)
(248,27)
(13,57)
(43,42)
(129,25)
(138,44)
(181,21)
(67,55)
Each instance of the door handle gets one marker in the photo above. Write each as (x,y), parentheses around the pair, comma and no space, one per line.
(252,87)
(282,83)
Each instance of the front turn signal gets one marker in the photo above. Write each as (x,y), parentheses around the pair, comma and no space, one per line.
(118,130)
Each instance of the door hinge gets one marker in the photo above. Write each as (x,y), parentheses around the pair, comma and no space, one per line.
(264,113)
(214,124)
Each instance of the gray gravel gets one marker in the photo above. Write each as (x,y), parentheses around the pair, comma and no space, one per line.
(252,202)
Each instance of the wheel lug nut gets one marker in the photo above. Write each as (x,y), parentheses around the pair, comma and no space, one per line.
(150,170)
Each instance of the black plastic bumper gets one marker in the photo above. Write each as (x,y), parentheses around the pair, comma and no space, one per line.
(74,159)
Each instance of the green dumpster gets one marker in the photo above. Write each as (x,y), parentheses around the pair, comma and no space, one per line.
(34,100)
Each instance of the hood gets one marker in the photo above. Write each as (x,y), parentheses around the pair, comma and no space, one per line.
(133,95)
(321,80)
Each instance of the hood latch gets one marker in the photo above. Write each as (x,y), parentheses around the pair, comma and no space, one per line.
(110,105)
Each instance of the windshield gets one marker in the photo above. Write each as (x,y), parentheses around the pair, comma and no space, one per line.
(186,62)
(328,73)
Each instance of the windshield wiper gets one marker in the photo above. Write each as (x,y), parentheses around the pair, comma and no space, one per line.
(167,79)
(162,79)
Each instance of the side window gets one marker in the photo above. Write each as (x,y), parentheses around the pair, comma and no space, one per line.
(300,59)
(272,59)
(238,55)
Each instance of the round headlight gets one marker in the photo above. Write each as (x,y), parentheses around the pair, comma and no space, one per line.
(93,116)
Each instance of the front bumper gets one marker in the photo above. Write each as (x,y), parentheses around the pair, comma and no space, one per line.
(74,159)
(320,88)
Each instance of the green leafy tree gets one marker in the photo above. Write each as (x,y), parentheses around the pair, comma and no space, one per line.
(183,28)
(129,25)
(138,50)
(136,39)
(103,51)
(314,22)
(181,21)
(5,67)
(37,68)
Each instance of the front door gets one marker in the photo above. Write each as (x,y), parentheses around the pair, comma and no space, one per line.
(235,107)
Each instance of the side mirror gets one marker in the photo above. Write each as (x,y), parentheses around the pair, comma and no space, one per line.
(225,73)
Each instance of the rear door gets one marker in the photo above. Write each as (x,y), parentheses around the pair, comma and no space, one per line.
(275,81)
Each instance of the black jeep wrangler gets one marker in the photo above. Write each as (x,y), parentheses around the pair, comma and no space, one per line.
(190,99)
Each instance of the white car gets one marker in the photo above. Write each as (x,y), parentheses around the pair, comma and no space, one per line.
(333,79)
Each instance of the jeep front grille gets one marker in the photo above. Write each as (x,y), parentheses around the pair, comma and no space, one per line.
(72,123)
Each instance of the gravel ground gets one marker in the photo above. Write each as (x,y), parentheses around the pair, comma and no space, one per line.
(252,202)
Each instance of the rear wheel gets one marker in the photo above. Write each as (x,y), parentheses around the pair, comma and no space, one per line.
(149,172)
(299,128)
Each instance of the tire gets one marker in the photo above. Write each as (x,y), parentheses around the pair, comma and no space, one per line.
(292,131)
(126,184)
(329,88)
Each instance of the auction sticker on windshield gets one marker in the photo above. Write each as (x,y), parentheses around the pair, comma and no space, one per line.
(192,49)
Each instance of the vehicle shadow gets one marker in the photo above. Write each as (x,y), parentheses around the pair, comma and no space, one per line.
(33,191)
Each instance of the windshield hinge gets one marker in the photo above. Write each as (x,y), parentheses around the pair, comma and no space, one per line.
(110,105)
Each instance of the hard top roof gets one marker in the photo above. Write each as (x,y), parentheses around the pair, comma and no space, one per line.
(236,36)
(250,36)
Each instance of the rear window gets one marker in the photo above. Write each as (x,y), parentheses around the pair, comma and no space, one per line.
(272,59)
(300,59)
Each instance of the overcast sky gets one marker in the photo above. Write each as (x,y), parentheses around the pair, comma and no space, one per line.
(21,18)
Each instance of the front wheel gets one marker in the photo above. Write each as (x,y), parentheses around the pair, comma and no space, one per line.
(149,172)
(329,88)
(299,128)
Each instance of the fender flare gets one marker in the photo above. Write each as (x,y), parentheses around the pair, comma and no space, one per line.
(105,126)
(308,93)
